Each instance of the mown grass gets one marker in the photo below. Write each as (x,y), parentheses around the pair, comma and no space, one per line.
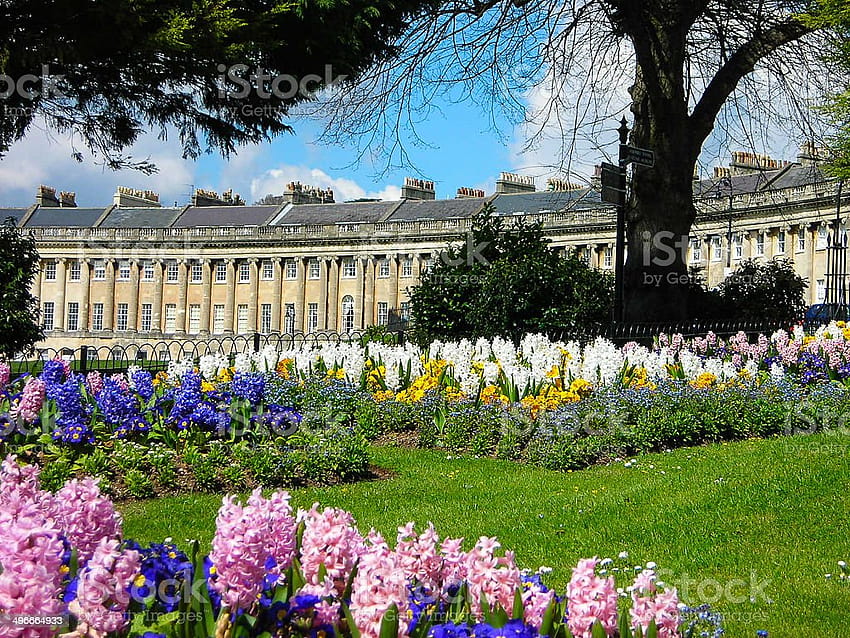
(751,527)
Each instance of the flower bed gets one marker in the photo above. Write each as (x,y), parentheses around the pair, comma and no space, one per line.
(181,431)
(305,416)
(68,571)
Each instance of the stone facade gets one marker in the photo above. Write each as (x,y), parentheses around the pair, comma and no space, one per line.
(143,272)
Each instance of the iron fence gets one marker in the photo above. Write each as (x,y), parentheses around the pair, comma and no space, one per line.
(156,355)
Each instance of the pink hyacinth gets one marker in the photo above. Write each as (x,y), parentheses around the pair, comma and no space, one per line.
(327,611)
(330,539)
(380,582)
(85,516)
(94,382)
(590,598)
(454,561)
(247,538)
(535,601)
(32,398)
(5,374)
(30,550)
(103,590)
(497,579)
(648,604)
(418,556)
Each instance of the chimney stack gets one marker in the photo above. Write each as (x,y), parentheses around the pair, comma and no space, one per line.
(417,189)
(46,196)
(513,183)
(562,185)
(67,199)
(298,193)
(466,193)
(811,155)
(211,198)
(133,198)
(745,163)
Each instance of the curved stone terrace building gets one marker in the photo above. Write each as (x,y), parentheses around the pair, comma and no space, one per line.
(138,271)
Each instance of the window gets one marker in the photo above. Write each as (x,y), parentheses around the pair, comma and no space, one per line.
(268,270)
(315,269)
(123,271)
(289,318)
(347,313)
(407,268)
(349,268)
(47,315)
(384,268)
(696,249)
(780,242)
(171,273)
(291,269)
(244,273)
(242,318)
(170,317)
(197,273)
(266,317)
(147,314)
(194,318)
(383,313)
(218,319)
(97,316)
(99,270)
(607,257)
(312,317)
(74,274)
(822,236)
(716,248)
(121,316)
(820,290)
(760,243)
(220,272)
(73,320)
(147,271)
(405,311)
(50,271)
(738,245)
(801,240)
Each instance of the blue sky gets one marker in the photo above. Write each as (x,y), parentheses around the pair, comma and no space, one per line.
(462,152)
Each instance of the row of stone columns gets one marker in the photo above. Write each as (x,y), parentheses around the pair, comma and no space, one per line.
(328,302)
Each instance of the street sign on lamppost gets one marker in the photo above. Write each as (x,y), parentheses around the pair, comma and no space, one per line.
(614,192)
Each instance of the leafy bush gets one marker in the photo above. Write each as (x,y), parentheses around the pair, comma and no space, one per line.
(499,280)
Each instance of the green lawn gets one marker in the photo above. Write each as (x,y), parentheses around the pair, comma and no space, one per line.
(765,519)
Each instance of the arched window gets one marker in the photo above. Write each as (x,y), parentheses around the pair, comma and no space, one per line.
(347,313)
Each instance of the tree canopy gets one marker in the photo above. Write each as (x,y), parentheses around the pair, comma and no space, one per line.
(120,67)
(505,280)
(738,70)
(19,329)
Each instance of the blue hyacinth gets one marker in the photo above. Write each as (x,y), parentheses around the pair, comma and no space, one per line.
(249,386)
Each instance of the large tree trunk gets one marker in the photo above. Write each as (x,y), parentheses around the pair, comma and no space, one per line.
(660,209)
(659,215)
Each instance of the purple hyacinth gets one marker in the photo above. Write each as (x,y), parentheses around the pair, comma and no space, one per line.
(249,386)
(73,422)
(120,409)
(143,382)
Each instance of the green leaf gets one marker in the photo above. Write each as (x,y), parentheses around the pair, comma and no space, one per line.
(598,631)
(519,608)
(652,630)
(625,625)
(389,623)
(548,623)
(353,631)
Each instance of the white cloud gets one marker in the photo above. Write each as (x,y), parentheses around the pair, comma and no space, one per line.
(44,158)
(274,181)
